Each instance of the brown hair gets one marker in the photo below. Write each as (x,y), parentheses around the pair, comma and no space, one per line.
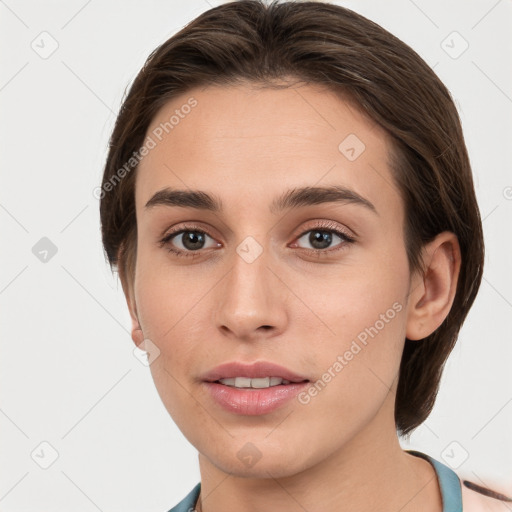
(321,43)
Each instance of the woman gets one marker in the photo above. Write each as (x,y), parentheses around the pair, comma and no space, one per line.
(289,202)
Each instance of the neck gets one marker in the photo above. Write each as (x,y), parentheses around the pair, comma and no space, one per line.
(370,472)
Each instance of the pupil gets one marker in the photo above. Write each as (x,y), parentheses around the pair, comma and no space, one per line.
(193,240)
(320,239)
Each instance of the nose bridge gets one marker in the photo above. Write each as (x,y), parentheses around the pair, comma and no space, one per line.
(249,275)
(249,297)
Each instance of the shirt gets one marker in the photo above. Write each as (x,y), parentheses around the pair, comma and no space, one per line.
(452,493)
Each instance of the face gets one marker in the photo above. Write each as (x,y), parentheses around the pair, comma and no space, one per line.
(317,284)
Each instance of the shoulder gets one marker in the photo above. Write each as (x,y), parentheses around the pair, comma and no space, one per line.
(476,498)
(188,503)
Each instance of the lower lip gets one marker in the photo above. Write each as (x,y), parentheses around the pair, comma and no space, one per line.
(253,402)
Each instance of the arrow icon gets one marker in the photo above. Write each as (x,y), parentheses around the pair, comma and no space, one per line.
(351,147)
(45,45)
(44,250)
(44,455)
(249,454)
(454,45)
(249,249)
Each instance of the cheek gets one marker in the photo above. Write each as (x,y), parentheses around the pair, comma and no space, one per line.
(361,316)
(167,298)
(346,302)
(171,316)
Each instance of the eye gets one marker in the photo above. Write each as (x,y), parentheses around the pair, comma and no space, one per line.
(190,240)
(322,238)
(187,241)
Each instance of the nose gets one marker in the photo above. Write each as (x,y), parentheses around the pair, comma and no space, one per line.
(250,300)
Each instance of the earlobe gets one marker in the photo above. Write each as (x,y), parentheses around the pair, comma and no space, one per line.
(432,294)
(137,334)
(136,330)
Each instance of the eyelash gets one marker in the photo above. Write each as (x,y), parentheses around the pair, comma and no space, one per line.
(329,227)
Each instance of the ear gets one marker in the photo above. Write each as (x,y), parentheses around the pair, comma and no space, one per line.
(128,289)
(432,293)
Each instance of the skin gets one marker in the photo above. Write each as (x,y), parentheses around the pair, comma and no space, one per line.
(246,146)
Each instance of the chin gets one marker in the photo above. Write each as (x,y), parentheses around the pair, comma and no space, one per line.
(258,460)
(268,468)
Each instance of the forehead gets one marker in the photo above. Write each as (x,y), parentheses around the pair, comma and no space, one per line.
(241,142)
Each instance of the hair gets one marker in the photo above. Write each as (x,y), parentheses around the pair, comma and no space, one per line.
(249,41)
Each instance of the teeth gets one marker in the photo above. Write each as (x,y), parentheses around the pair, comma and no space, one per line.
(258,383)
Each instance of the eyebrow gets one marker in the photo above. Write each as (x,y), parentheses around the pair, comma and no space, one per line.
(293,198)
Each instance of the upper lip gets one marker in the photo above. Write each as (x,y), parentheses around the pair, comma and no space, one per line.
(252,370)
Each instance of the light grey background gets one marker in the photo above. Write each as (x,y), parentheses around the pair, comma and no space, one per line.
(69,377)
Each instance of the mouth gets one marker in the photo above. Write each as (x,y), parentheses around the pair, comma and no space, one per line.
(256,383)
(253,396)
(256,375)
(252,389)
